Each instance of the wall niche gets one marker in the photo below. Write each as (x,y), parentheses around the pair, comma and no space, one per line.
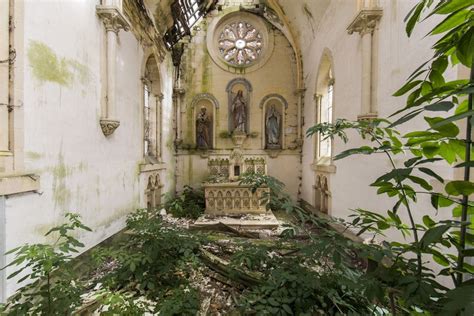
(273,121)
(239,92)
(204,106)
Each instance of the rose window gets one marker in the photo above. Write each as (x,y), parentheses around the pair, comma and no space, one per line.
(240,43)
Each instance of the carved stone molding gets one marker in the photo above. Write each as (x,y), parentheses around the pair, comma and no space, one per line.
(113,19)
(273,96)
(365,22)
(108,126)
(367,116)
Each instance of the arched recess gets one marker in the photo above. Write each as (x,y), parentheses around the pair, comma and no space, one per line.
(210,103)
(232,89)
(153,191)
(324,106)
(280,105)
(152,110)
(323,148)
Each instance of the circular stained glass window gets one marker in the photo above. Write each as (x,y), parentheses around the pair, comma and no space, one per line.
(240,43)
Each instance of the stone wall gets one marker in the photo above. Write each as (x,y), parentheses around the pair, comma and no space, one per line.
(203,75)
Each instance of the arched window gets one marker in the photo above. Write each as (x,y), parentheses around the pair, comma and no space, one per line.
(152,98)
(325,114)
(324,108)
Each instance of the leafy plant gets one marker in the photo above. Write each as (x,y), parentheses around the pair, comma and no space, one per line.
(190,203)
(183,300)
(113,303)
(401,268)
(155,260)
(52,288)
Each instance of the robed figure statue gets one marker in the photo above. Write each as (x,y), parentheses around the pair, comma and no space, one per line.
(272,128)
(202,129)
(239,112)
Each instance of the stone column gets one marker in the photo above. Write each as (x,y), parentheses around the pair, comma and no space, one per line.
(114,21)
(159,125)
(365,23)
(300,97)
(317,119)
(177,98)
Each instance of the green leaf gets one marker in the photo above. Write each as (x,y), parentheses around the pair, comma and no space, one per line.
(441,260)
(445,129)
(422,182)
(414,18)
(440,106)
(459,188)
(465,51)
(433,235)
(406,118)
(428,221)
(431,173)
(453,118)
(453,5)
(366,150)
(469,164)
(451,21)
(407,87)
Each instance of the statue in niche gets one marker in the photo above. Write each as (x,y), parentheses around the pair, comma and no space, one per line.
(239,112)
(273,128)
(203,121)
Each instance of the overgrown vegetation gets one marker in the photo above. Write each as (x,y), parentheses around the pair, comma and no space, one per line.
(310,269)
(189,203)
(51,288)
(402,274)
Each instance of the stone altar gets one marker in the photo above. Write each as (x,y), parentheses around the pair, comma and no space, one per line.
(223,193)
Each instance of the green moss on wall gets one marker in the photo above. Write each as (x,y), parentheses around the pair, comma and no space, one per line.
(33,155)
(47,66)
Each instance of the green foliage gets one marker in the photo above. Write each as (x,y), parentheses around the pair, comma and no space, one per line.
(51,287)
(114,303)
(400,273)
(156,258)
(189,203)
(180,301)
(295,290)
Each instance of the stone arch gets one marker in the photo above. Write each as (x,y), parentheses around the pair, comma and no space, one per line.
(210,102)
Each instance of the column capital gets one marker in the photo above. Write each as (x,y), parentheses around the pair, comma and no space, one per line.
(113,18)
(365,21)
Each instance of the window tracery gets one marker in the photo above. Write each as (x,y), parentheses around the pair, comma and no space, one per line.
(240,43)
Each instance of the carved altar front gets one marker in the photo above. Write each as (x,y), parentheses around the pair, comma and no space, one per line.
(223,192)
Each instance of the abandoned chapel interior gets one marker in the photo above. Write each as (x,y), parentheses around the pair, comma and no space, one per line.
(112,106)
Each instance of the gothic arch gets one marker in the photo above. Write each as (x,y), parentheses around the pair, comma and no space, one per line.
(235,81)
(273,96)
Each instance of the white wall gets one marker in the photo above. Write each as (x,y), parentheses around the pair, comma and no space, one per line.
(81,170)
(398,57)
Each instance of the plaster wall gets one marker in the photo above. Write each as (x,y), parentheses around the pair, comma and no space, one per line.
(203,75)
(398,56)
(81,170)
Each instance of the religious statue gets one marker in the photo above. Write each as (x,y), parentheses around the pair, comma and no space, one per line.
(272,128)
(202,129)
(239,112)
